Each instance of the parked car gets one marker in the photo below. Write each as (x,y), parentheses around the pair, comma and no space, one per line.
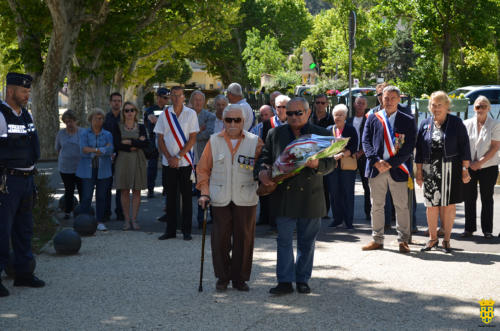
(492,92)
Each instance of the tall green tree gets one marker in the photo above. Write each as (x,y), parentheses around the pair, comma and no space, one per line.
(262,56)
(288,21)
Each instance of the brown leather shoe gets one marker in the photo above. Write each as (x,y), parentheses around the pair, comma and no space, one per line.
(403,248)
(221,285)
(372,246)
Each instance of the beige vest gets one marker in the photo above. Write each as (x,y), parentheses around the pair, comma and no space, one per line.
(232,180)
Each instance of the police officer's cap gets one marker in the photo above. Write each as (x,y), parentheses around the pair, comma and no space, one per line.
(162,91)
(17,79)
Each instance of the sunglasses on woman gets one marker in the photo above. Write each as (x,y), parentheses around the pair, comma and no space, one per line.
(232,119)
(129,110)
(481,106)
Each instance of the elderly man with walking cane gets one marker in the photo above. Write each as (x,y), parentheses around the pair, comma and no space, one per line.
(225,179)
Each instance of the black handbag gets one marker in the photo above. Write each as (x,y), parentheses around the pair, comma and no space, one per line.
(150,152)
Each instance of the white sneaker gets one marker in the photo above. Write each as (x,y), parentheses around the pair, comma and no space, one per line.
(101,227)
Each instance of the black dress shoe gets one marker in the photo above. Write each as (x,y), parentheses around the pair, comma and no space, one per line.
(488,236)
(221,285)
(430,244)
(188,237)
(3,291)
(466,234)
(303,288)
(241,286)
(162,218)
(28,280)
(282,288)
(166,236)
(151,194)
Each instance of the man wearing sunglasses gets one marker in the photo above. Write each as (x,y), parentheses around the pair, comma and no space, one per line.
(150,118)
(281,101)
(235,95)
(320,116)
(298,202)
(225,179)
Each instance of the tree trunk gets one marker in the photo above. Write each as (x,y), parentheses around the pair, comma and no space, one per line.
(76,89)
(446,59)
(46,116)
(129,94)
(98,91)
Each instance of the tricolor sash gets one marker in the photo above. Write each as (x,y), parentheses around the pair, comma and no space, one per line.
(275,121)
(389,137)
(179,135)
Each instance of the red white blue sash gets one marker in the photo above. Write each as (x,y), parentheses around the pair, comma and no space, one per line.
(389,137)
(179,135)
(275,121)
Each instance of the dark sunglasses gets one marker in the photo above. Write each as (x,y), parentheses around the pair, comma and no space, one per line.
(296,113)
(480,106)
(164,97)
(321,102)
(129,110)
(231,119)
(280,106)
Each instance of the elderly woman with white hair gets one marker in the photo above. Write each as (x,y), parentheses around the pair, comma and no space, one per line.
(225,179)
(484,138)
(341,180)
(94,168)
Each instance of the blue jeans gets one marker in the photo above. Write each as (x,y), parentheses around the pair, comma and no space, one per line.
(341,187)
(102,186)
(287,269)
(152,173)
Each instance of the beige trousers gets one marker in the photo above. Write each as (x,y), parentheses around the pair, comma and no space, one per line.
(399,192)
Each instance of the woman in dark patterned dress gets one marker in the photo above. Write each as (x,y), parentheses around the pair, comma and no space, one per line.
(442,159)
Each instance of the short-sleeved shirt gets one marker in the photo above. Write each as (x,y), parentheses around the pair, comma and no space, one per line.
(188,121)
(480,142)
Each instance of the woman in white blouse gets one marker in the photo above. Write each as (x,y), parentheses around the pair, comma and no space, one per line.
(484,135)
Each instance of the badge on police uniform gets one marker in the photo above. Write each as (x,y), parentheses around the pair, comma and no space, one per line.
(246,162)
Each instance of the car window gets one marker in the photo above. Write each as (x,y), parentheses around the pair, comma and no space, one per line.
(492,95)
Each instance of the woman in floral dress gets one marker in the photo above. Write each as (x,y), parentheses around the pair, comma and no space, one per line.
(442,159)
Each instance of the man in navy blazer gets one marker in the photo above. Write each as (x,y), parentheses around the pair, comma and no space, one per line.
(387,165)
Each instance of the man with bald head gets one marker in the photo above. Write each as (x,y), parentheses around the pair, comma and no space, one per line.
(358,122)
(265,113)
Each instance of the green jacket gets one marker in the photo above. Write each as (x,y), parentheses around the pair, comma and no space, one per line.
(300,196)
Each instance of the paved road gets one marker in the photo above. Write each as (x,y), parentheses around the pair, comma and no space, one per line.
(130,280)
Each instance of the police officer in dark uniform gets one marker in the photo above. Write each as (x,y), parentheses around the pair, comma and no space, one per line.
(19,150)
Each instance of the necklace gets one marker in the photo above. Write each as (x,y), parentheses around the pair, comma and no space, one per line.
(437,124)
(128,127)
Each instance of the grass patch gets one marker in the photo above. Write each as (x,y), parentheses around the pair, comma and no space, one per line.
(44,227)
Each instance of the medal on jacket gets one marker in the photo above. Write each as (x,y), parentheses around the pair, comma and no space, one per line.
(246,162)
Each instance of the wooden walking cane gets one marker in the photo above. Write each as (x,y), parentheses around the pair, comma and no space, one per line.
(204,231)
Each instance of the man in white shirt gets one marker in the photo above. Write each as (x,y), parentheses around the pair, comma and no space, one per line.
(176,132)
(235,95)
(221,102)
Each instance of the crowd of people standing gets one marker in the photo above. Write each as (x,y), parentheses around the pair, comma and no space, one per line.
(224,157)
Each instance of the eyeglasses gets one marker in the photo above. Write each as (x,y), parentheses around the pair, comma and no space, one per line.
(232,119)
(481,106)
(296,113)
(280,106)
(129,110)
(321,102)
